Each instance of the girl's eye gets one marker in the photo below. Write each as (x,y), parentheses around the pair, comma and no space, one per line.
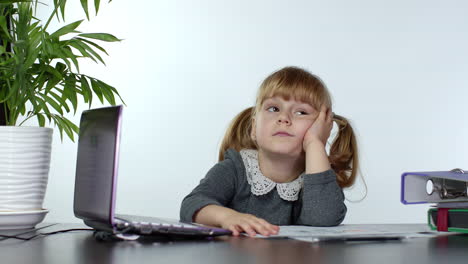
(272,109)
(301,113)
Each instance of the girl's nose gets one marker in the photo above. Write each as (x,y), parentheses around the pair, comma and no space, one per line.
(283,119)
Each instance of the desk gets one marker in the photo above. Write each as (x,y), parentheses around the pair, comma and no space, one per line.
(81,247)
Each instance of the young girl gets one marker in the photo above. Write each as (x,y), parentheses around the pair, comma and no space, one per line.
(273,167)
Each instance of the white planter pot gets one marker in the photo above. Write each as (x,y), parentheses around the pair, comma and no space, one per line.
(24,167)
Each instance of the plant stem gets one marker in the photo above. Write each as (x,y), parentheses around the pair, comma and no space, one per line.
(5,112)
(26,119)
(50,18)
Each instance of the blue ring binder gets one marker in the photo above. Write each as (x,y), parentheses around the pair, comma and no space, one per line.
(448,186)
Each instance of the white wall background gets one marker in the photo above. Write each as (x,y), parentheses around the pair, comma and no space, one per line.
(397,69)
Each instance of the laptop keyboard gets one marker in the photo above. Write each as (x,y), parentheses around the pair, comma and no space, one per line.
(152,225)
(155,221)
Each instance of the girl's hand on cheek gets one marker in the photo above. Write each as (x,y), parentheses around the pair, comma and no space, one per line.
(321,128)
(239,222)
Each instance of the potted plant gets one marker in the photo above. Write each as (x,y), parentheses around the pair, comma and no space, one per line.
(40,78)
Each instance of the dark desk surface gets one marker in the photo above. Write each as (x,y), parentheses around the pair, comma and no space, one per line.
(81,247)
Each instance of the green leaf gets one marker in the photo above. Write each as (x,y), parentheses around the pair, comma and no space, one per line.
(48,46)
(3,25)
(84,4)
(62,8)
(100,36)
(61,101)
(22,109)
(40,80)
(97,90)
(69,54)
(44,69)
(107,92)
(48,118)
(29,94)
(69,92)
(51,83)
(96,5)
(60,67)
(70,28)
(63,56)
(31,58)
(87,93)
(40,119)
(35,31)
(83,48)
(70,124)
(53,103)
(52,71)
(93,44)
(56,13)
(59,126)
(116,92)
(68,129)
(64,125)
(77,46)
(42,105)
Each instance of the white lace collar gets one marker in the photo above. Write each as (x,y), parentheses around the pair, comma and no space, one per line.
(261,185)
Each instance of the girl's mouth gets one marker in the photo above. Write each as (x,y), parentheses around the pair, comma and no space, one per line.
(282,134)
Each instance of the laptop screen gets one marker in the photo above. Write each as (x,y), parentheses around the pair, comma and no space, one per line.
(96,166)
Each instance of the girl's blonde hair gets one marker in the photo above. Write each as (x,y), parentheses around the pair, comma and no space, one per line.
(305,87)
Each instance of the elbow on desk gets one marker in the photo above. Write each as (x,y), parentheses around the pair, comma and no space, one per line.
(324,218)
(336,218)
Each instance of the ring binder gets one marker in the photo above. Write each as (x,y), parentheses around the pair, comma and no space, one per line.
(452,220)
(458,170)
(434,187)
(452,189)
(448,189)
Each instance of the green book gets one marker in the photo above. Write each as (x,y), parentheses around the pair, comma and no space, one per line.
(457,219)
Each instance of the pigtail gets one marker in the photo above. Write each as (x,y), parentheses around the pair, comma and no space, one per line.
(344,153)
(238,133)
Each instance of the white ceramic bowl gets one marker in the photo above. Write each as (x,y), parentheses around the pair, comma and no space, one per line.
(21,219)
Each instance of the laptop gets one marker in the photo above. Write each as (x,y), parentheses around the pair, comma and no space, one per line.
(96,182)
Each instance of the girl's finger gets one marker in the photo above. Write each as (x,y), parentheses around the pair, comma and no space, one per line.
(322,115)
(265,228)
(234,230)
(248,229)
(323,108)
(261,226)
(273,229)
(261,230)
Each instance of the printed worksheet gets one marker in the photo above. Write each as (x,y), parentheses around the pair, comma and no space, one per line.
(309,233)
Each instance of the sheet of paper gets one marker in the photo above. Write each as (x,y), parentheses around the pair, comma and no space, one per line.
(309,233)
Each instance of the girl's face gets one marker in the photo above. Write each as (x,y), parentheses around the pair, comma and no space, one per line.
(280,125)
